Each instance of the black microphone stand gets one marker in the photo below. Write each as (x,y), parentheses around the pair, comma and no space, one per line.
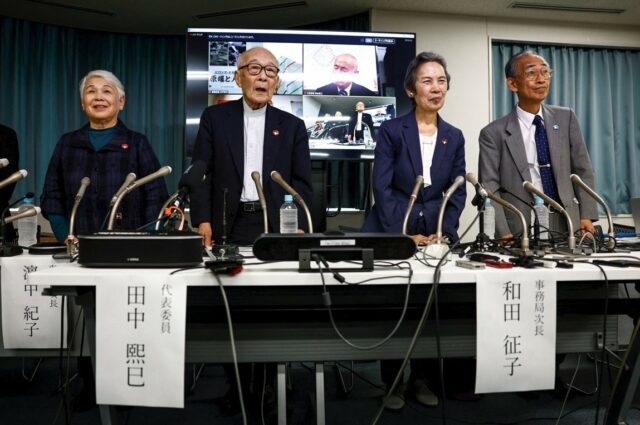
(483,241)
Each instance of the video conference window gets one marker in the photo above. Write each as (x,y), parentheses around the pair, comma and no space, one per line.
(342,85)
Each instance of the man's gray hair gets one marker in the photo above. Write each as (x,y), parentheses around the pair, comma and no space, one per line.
(108,76)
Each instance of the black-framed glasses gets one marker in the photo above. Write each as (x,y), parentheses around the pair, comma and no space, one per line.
(256,68)
(532,74)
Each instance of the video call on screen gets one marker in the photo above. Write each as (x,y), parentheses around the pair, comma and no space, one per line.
(312,72)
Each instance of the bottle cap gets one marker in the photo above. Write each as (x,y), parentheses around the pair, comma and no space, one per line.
(487,201)
(288,198)
(28,200)
(538,200)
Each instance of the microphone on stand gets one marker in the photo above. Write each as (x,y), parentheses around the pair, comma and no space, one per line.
(30,212)
(611,243)
(224,251)
(193,176)
(84,183)
(276,177)
(438,249)
(412,200)
(13,178)
(524,242)
(263,202)
(571,241)
(130,178)
(536,223)
(162,171)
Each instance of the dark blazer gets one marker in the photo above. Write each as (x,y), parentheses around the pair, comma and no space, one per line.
(9,150)
(503,162)
(356,90)
(397,163)
(220,143)
(366,119)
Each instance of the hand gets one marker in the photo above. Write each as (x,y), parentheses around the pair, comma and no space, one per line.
(205,230)
(420,239)
(71,239)
(300,231)
(586,226)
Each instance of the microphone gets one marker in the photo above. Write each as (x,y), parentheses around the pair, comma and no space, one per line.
(193,176)
(84,183)
(481,193)
(4,162)
(23,214)
(276,177)
(412,200)
(162,171)
(456,184)
(536,224)
(529,187)
(130,178)
(577,180)
(263,202)
(13,178)
(524,243)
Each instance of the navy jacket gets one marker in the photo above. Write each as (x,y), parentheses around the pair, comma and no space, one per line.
(74,158)
(220,143)
(397,163)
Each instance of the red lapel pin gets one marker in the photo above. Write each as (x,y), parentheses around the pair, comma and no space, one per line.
(276,132)
(124,146)
(445,141)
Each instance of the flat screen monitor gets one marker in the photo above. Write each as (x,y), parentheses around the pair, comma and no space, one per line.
(323,77)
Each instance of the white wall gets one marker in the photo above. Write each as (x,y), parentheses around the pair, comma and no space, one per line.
(465,42)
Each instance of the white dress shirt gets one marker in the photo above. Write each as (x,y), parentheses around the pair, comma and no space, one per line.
(254,122)
(528,130)
(427,147)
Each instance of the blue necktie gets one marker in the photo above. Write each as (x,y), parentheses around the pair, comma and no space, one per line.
(342,92)
(544,160)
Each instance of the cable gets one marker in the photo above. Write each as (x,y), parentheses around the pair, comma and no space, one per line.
(233,347)
(566,396)
(327,303)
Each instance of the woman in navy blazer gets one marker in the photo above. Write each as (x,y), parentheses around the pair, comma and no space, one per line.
(399,159)
(405,147)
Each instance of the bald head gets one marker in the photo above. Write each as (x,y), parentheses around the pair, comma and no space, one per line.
(255,53)
(344,68)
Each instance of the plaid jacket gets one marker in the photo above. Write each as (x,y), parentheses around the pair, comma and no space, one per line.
(74,158)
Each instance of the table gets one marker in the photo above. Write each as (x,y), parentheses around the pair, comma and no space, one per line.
(279,315)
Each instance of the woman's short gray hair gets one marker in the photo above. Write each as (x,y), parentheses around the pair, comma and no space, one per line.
(107,75)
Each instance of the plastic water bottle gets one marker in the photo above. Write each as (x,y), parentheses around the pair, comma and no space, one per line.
(288,216)
(543,217)
(489,219)
(28,226)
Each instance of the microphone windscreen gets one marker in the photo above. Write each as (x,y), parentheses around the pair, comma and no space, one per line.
(194,175)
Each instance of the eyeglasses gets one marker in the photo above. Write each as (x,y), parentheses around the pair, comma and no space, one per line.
(256,69)
(533,74)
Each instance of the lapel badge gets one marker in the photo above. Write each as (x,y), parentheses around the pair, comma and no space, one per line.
(276,132)
(445,141)
(124,146)
(556,127)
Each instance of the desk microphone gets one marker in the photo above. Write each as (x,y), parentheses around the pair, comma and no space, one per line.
(529,187)
(263,202)
(130,178)
(4,162)
(276,177)
(536,223)
(577,180)
(456,184)
(84,183)
(193,176)
(162,171)
(13,178)
(30,212)
(412,200)
(524,243)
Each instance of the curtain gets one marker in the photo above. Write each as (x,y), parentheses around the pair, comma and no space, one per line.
(40,69)
(602,85)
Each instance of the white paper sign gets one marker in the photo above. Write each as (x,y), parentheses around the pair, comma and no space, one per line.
(516,330)
(140,339)
(29,319)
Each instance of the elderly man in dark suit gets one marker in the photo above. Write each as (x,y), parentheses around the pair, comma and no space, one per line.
(345,68)
(358,122)
(8,150)
(539,143)
(239,137)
